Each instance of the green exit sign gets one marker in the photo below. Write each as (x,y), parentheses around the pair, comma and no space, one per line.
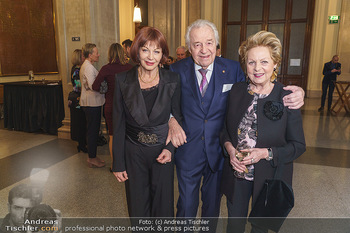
(333,19)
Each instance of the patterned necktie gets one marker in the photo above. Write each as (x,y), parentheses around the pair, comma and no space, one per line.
(204,83)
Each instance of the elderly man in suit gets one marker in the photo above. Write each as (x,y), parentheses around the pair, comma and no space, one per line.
(205,83)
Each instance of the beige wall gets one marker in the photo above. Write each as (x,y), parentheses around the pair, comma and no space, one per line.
(212,10)
(323,44)
(127,27)
(162,14)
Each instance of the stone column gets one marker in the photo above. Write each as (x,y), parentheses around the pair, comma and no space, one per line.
(93,21)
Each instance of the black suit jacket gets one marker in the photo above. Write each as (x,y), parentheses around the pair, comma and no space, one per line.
(129,108)
(327,71)
(285,136)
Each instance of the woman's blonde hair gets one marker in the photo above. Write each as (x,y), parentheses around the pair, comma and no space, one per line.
(266,39)
(88,49)
(76,57)
(115,53)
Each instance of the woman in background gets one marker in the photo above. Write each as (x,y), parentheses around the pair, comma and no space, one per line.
(117,63)
(77,115)
(91,101)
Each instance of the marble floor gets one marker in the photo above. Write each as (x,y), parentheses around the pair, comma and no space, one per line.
(321,176)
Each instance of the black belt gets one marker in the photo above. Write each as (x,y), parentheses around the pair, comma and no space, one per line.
(147,136)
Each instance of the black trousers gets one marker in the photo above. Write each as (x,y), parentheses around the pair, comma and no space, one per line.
(150,187)
(78,126)
(327,83)
(93,122)
(238,208)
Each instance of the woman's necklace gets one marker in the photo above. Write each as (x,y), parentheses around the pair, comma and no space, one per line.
(151,80)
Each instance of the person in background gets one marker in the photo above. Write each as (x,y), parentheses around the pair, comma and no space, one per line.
(206,80)
(127,45)
(168,62)
(218,50)
(91,101)
(330,71)
(180,53)
(144,98)
(77,115)
(117,63)
(188,53)
(258,123)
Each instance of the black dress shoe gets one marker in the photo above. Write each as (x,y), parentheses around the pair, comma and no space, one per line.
(320,109)
(82,148)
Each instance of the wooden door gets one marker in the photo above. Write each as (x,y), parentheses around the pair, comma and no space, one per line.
(290,20)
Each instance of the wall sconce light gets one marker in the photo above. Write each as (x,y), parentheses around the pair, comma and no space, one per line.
(137,15)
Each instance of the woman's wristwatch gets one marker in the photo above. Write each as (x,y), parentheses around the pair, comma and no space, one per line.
(270,156)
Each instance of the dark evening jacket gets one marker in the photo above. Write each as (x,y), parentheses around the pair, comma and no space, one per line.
(129,108)
(107,73)
(285,136)
(327,70)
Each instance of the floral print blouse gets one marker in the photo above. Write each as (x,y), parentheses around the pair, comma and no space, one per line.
(248,130)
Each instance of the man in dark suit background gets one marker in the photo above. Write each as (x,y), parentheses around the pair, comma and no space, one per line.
(330,71)
(205,84)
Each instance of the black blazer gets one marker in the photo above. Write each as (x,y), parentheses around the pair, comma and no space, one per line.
(327,70)
(285,136)
(129,108)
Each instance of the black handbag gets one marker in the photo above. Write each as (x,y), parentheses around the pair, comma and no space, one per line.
(101,140)
(273,204)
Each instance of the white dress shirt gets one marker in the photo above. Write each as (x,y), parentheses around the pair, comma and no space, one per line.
(208,74)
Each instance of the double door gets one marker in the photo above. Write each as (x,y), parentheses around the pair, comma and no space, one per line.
(290,20)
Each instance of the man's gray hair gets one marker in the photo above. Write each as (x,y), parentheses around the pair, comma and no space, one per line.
(181,47)
(198,24)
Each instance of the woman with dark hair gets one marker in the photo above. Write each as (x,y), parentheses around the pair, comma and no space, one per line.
(117,64)
(144,98)
(77,115)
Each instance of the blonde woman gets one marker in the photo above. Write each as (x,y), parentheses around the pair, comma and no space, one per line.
(91,101)
(117,63)
(258,122)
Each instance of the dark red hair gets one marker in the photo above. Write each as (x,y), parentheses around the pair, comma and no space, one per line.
(149,34)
